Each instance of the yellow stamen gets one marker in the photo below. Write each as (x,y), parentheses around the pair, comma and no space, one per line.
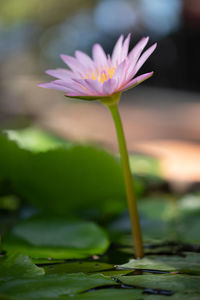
(92,75)
(110,71)
(101,75)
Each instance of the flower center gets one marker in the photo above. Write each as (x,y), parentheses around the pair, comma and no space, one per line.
(101,75)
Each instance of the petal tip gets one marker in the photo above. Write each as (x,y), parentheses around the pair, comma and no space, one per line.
(152,48)
(155,45)
(76,53)
(96,45)
(48,71)
(63,56)
(95,48)
(43,85)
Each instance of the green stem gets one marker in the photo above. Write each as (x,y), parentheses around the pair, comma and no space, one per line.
(132,204)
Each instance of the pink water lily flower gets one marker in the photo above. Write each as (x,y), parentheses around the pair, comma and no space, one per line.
(101,76)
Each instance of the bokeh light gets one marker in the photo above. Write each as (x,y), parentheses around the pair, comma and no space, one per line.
(109,15)
(161,17)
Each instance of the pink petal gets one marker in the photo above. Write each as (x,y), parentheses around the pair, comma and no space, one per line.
(136,51)
(93,86)
(135,54)
(116,54)
(145,56)
(74,64)
(84,59)
(85,87)
(125,47)
(81,90)
(63,86)
(136,81)
(65,82)
(120,73)
(109,86)
(59,73)
(55,86)
(99,56)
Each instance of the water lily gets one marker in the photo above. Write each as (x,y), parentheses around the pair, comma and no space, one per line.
(102,75)
(105,78)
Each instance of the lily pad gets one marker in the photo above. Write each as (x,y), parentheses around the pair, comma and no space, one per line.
(176,296)
(144,165)
(4,297)
(18,266)
(35,139)
(188,222)
(130,294)
(164,219)
(167,282)
(77,267)
(153,228)
(53,286)
(85,267)
(57,238)
(63,181)
(47,261)
(188,229)
(188,264)
(111,294)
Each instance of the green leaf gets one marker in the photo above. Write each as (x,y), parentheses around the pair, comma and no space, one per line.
(18,266)
(154,221)
(12,158)
(188,264)
(159,214)
(175,283)
(77,267)
(47,261)
(41,237)
(156,208)
(35,140)
(10,203)
(111,294)
(64,180)
(144,165)
(4,297)
(165,219)
(175,296)
(189,221)
(188,230)
(53,286)
(85,267)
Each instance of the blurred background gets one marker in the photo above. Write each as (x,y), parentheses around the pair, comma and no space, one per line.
(161,117)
